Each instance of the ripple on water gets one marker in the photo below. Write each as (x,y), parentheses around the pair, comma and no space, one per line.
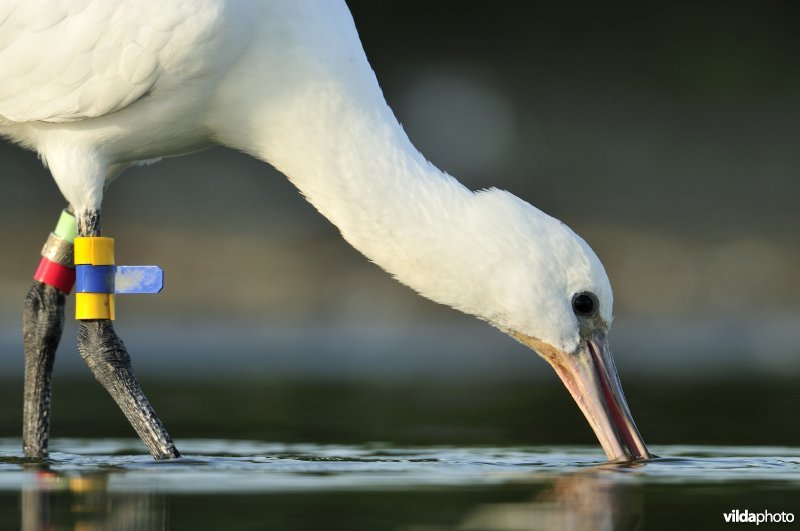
(248,466)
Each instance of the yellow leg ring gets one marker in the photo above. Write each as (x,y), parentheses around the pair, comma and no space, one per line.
(94,306)
(94,250)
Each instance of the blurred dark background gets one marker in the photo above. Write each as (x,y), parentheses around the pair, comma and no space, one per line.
(664,133)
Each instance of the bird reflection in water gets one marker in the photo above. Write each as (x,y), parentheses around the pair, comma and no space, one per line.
(592,500)
(596,499)
(53,500)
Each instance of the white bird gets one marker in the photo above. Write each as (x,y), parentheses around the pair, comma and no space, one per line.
(96,86)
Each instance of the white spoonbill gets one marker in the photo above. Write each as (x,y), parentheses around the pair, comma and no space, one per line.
(96,86)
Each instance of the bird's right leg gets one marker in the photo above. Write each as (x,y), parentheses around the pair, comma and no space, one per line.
(42,325)
(108,359)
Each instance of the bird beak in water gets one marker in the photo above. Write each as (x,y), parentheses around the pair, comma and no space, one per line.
(592,380)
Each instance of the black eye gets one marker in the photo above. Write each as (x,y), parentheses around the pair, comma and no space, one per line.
(584,304)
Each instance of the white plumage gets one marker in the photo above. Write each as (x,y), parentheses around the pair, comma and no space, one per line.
(95,86)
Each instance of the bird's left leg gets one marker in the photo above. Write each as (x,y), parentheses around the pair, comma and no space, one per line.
(42,325)
(108,359)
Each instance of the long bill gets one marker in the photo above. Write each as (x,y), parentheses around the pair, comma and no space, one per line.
(591,378)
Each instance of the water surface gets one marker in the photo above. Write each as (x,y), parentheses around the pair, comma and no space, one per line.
(238,484)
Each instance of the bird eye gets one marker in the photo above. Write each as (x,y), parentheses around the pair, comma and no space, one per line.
(584,304)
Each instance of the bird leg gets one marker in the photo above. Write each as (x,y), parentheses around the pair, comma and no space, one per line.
(42,326)
(107,358)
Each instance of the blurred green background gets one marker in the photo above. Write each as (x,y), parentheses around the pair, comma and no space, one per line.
(664,133)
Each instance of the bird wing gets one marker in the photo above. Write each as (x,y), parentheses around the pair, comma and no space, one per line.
(68,60)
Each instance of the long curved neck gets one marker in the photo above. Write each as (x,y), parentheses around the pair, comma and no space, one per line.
(317,114)
(324,123)
(351,159)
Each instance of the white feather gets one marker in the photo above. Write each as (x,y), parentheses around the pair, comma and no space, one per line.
(96,85)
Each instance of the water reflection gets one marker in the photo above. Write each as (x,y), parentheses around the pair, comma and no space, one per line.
(590,500)
(225,484)
(593,499)
(84,502)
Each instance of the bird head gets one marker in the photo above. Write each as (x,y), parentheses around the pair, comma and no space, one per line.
(532,277)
